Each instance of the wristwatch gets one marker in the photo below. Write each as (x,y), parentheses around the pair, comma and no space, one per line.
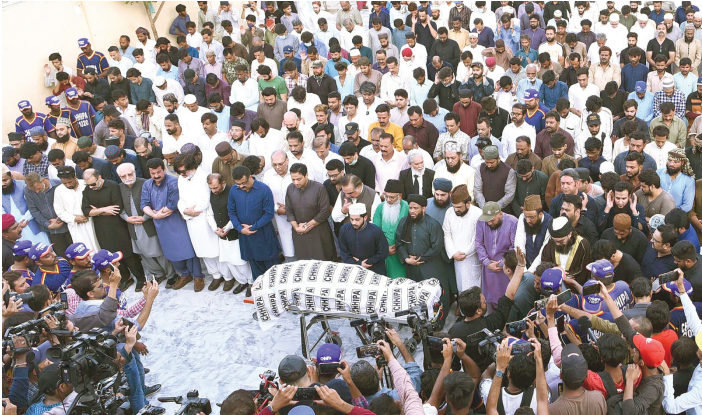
(270,408)
(499,373)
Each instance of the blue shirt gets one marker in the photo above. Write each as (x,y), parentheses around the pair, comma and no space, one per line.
(631,75)
(657,17)
(321,48)
(23,125)
(682,189)
(533,55)
(172,74)
(549,96)
(346,89)
(254,208)
(193,52)
(690,235)
(383,16)
(223,119)
(53,277)
(486,38)
(83,117)
(296,61)
(687,84)
(652,265)
(537,37)
(438,120)
(96,61)
(179,23)
(510,38)
(537,118)
(329,68)
(128,53)
(645,110)
(398,37)
(524,84)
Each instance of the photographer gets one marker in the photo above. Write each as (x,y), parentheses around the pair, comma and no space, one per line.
(473,308)
(18,284)
(409,399)
(106,263)
(56,392)
(329,397)
(99,306)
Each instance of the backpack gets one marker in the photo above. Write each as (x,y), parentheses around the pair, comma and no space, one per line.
(527,396)
(614,401)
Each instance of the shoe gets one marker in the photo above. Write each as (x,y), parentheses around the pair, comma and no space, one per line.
(160,279)
(171,282)
(146,370)
(255,316)
(126,284)
(139,286)
(248,291)
(240,288)
(199,284)
(228,285)
(157,410)
(215,284)
(150,390)
(182,281)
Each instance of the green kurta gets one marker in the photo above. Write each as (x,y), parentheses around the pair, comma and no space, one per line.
(395,269)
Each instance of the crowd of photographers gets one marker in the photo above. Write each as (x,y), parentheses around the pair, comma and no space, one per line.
(508,157)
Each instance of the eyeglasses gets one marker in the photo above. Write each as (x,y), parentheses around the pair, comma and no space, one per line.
(91,185)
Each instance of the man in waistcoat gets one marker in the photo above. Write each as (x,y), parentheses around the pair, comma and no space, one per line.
(354,191)
(495,181)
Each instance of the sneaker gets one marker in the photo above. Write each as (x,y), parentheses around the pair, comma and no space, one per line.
(248,291)
(215,284)
(228,285)
(240,288)
(199,284)
(150,390)
(157,410)
(171,282)
(182,282)
(126,284)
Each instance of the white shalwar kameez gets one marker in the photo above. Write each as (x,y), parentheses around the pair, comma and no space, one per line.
(67,205)
(279,186)
(459,236)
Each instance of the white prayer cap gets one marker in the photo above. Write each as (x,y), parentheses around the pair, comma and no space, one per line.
(169,149)
(614,17)
(668,16)
(189,99)
(643,17)
(159,80)
(354,52)
(472,34)
(606,167)
(510,9)
(698,15)
(357,209)
(557,13)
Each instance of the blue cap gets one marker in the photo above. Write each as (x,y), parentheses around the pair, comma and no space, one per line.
(672,287)
(22,248)
(83,42)
(39,250)
(77,250)
(640,87)
(328,353)
(71,93)
(592,303)
(551,279)
(600,268)
(103,258)
(112,152)
(53,100)
(24,104)
(287,49)
(531,94)
(37,131)
(699,80)
(301,410)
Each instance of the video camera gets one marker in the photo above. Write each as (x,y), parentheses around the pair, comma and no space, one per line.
(24,296)
(375,327)
(191,403)
(488,341)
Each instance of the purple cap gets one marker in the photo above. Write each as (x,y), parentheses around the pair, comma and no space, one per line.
(52,100)
(71,93)
(640,87)
(551,279)
(24,104)
(592,303)
(672,287)
(103,258)
(39,250)
(531,94)
(328,353)
(83,42)
(287,49)
(40,352)
(699,80)
(600,268)
(77,250)
(22,248)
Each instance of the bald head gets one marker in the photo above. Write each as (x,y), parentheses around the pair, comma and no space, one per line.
(91,173)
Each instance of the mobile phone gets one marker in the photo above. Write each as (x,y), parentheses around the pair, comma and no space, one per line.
(667,277)
(532,316)
(306,394)
(521,348)
(591,289)
(437,343)
(127,323)
(516,326)
(564,297)
(370,350)
(560,324)
(63,297)
(328,368)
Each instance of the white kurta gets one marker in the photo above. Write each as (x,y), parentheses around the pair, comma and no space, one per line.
(195,193)
(67,204)
(266,146)
(27,234)
(230,263)
(279,186)
(459,236)
(315,169)
(520,236)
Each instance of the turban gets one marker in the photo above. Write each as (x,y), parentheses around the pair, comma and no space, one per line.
(679,153)
(560,227)
(418,199)
(143,31)
(442,184)
(407,52)
(7,221)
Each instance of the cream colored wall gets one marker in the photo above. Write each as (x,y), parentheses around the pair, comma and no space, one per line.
(32,30)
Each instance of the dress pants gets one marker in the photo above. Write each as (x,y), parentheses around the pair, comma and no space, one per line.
(132,264)
(61,242)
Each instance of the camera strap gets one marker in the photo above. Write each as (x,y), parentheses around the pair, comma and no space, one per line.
(527,396)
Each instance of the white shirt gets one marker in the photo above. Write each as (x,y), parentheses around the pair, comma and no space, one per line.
(581,138)
(359,119)
(577,96)
(214,46)
(170,141)
(389,84)
(620,147)
(505,100)
(495,74)
(53,171)
(265,146)
(555,50)
(510,402)
(315,168)
(510,134)
(463,73)
(571,123)
(246,93)
(191,121)
(124,64)
(488,17)
(660,155)
(147,69)
(207,143)
(306,108)
(645,34)
(418,51)
(307,135)
(155,126)
(194,40)
(464,175)
(330,156)
(172,87)
(347,36)
(268,62)
(149,49)
(477,51)
(386,170)
(409,66)
(338,216)
(131,115)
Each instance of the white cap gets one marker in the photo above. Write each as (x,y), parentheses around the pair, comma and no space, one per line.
(606,167)
(357,209)
(643,18)
(159,80)
(190,99)
(510,9)
(169,149)
(668,16)
(614,17)
(557,13)
(698,15)
(472,34)
(354,52)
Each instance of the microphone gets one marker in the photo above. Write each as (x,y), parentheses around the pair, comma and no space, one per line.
(586,324)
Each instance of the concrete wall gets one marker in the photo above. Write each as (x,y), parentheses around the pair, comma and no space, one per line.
(31,30)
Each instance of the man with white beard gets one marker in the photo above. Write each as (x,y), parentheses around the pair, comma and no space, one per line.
(459,238)
(278,179)
(141,226)
(645,31)
(387,217)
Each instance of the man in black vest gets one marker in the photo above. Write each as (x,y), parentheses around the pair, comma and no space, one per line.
(356,164)
(235,269)
(495,181)
(141,226)
(532,230)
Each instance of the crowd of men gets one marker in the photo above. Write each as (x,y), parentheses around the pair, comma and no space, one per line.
(512,150)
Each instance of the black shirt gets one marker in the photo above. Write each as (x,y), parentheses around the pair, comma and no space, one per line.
(156,153)
(8,253)
(694,275)
(492,322)
(333,195)
(619,125)
(587,229)
(123,85)
(424,36)
(624,56)
(569,76)
(364,169)
(276,15)
(635,245)
(499,120)
(660,48)
(627,270)
(616,104)
(102,88)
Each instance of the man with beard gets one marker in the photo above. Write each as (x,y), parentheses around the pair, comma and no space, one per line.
(64,141)
(141,226)
(494,236)
(29,119)
(299,154)
(387,217)
(40,138)
(446,89)
(227,159)
(454,168)
(532,227)
(566,249)
(529,181)
(363,243)
(417,179)
(495,181)
(630,108)
(174,135)
(552,125)
(572,208)
(625,237)
(102,201)
(687,260)
(11,233)
(68,200)
(678,179)
(39,196)
(570,185)
(13,202)
(652,198)
(85,161)
(484,128)
(441,202)
(658,258)
(52,270)
(459,238)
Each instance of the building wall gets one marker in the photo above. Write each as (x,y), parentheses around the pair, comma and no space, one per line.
(32,30)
